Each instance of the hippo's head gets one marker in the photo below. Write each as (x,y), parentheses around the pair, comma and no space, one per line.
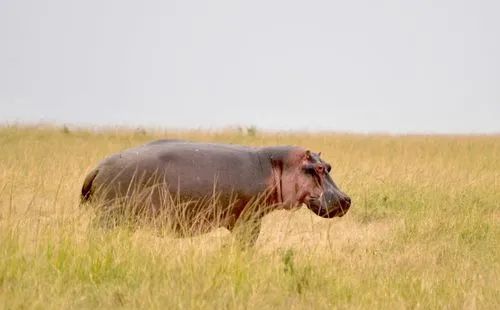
(306,179)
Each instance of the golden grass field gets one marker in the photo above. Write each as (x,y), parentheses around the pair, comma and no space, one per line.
(423,231)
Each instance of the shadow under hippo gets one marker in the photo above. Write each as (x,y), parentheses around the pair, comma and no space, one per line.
(202,186)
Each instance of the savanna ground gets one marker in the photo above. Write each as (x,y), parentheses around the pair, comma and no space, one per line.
(423,231)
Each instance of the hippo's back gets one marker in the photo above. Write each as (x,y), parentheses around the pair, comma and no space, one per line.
(193,170)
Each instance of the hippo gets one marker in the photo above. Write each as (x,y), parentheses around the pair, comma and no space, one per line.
(228,183)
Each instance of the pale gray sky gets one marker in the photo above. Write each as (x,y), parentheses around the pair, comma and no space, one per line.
(361,65)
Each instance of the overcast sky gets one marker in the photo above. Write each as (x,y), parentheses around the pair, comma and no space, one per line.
(360,66)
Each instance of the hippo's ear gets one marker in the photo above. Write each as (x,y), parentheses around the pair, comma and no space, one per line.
(319,154)
(308,155)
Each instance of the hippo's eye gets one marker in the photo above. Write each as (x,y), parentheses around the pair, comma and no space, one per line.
(320,169)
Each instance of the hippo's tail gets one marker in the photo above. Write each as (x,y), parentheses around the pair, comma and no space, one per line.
(87,186)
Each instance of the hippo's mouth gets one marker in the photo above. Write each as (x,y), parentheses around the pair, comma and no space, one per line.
(315,205)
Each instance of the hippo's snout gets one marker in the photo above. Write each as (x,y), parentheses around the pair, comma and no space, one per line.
(334,204)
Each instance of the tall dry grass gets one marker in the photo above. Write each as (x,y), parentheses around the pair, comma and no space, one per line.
(423,231)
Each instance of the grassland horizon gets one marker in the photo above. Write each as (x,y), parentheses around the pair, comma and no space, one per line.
(234,128)
(423,231)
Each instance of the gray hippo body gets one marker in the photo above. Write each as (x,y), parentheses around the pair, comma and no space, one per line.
(201,176)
